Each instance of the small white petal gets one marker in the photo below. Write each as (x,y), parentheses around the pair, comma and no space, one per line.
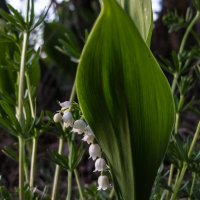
(100,165)
(79,126)
(94,151)
(65,104)
(103,183)
(88,138)
(68,119)
(57,118)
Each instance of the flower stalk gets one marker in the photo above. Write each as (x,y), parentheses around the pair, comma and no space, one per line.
(33,160)
(193,183)
(20,107)
(78,184)
(69,178)
(69,188)
(35,137)
(188,30)
(57,170)
(21,167)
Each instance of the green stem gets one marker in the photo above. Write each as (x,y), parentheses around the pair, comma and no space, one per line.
(179,181)
(20,108)
(192,187)
(78,184)
(171,175)
(57,171)
(26,173)
(194,140)
(184,168)
(177,122)
(33,114)
(22,68)
(174,83)
(73,93)
(21,78)
(112,193)
(35,138)
(171,171)
(177,176)
(176,127)
(21,167)
(70,145)
(69,188)
(33,161)
(188,30)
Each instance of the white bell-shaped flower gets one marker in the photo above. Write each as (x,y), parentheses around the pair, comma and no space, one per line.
(100,165)
(94,151)
(89,135)
(79,126)
(88,138)
(103,183)
(68,119)
(65,105)
(57,118)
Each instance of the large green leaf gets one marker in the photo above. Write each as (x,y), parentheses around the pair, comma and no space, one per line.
(140,12)
(126,99)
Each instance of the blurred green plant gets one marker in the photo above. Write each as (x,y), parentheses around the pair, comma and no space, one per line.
(182,151)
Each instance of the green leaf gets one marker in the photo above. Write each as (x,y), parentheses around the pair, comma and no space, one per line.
(140,12)
(7,16)
(126,100)
(4,123)
(34,69)
(10,153)
(41,18)
(17,15)
(27,112)
(77,155)
(10,113)
(70,47)
(4,193)
(59,159)
(32,14)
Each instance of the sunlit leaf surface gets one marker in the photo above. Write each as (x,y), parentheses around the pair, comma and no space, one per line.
(140,12)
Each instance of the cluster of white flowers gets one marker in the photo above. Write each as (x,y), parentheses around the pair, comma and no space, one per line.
(80,127)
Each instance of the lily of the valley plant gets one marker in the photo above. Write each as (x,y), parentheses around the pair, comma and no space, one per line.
(125,112)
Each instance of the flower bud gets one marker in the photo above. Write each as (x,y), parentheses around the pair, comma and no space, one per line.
(103,183)
(94,151)
(88,138)
(57,118)
(100,165)
(79,126)
(68,119)
(65,104)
